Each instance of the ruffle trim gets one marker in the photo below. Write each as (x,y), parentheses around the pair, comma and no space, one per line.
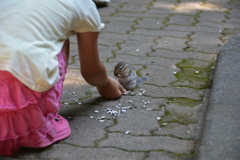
(27,115)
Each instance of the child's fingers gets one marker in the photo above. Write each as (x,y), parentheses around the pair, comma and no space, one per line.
(122,89)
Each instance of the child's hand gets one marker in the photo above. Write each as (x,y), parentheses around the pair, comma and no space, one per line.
(112,90)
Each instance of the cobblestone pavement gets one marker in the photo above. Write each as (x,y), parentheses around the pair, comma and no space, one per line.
(172,42)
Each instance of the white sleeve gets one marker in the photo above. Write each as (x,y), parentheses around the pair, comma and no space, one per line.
(86,17)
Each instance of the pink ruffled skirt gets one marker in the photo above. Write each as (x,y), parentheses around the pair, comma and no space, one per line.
(26,116)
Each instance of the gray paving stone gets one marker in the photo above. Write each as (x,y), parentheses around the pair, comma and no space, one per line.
(235,21)
(118,27)
(235,3)
(183,55)
(217,1)
(203,48)
(108,19)
(146,143)
(165,11)
(106,52)
(112,9)
(142,60)
(171,43)
(85,127)
(141,124)
(164,5)
(178,19)
(206,39)
(66,152)
(191,82)
(166,156)
(135,47)
(189,131)
(160,76)
(159,33)
(198,29)
(198,6)
(214,17)
(123,37)
(131,7)
(140,15)
(234,13)
(174,92)
(150,23)
(182,114)
(220,25)
(194,63)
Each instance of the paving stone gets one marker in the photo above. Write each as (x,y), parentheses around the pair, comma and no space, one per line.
(235,13)
(191,82)
(234,21)
(167,12)
(214,17)
(140,15)
(74,63)
(198,29)
(118,27)
(108,19)
(159,33)
(24,153)
(106,11)
(131,7)
(146,143)
(140,101)
(142,60)
(217,1)
(161,155)
(194,63)
(123,37)
(196,6)
(171,43)
(235,3)
(75,153)
(160,76)
(206,39)
(106,52)
(175,92)
(107,39)
(183,55)
(85,127)
(204,49)
(178,19)
(164,5)
(189,131)
(135,47)
(137,122)
(182,114)
(152,23)
(220,25)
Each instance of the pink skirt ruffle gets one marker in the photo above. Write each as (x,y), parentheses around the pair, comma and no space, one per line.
(26,115)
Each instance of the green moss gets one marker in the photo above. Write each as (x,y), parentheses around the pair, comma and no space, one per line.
(185,102)
(194,74)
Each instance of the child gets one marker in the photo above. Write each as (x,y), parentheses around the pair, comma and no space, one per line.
(33,55)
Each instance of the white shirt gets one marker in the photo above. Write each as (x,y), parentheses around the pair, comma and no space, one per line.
(32,33)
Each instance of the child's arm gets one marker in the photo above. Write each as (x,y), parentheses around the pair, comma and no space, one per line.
(93,71)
